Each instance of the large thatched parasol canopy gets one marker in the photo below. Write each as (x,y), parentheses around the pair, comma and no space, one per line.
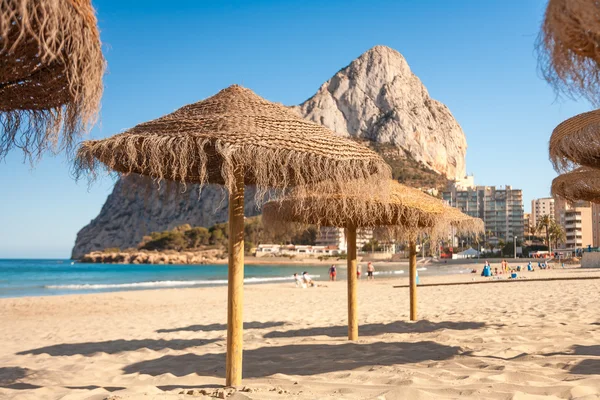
(569,48)
(51,68)
(236,138)
(576,141)
(206,142)
(580,184)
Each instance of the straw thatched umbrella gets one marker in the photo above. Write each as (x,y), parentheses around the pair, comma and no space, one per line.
(576,141)
(236,138)
(569,47)
(51,69)
(406,211)
(580,184)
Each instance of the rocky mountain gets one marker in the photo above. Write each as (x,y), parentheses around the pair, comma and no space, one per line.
(135,209)
(376,98)
(379,99)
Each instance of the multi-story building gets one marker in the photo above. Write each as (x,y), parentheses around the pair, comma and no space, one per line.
(578,222)
(501,209)
(578,226)
(331,236)
(541,207)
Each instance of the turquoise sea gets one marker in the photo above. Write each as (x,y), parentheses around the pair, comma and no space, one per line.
(56,277)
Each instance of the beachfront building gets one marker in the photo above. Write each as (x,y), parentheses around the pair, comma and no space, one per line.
(577,221)
(541,207)
(501,209)
(273,250)
(335,237)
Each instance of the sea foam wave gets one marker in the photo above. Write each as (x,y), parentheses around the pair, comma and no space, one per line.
(155,284)
(388,272)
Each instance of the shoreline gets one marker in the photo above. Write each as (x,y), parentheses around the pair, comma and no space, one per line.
(394,280)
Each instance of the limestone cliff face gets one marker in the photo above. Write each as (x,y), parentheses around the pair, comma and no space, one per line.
(134,210)
(378,98)
(375,98)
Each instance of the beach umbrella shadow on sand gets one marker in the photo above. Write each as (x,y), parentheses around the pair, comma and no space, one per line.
(421,326)
(405,212)
(300,359)
(51,69)
(236,138)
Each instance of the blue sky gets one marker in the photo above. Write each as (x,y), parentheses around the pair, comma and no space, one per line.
(475,56)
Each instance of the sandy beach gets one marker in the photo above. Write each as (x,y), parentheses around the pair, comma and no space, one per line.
(506,341)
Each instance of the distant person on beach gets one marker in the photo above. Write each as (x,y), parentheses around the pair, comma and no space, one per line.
(307,279)
(358,271)
(332,273)
(370,271)
(298,280)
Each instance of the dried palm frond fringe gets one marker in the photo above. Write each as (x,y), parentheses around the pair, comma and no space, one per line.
(51,69)
(576,141)
(581,184)
(406,212)
(234,132)
(569,48)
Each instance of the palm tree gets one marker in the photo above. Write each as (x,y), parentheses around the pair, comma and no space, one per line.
(501,245)
(544,224)
(557,234)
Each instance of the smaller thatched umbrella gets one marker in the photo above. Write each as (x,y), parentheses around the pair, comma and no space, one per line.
(51,69)
(569,48)
(576,141)
(405,210)
(236,138)
(451,220)
(581,184)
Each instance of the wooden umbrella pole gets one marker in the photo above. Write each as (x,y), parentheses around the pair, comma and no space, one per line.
(412,262)
(235,289)
(352,284)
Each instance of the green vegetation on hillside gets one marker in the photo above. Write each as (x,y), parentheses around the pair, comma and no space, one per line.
(407,170)
(185,237)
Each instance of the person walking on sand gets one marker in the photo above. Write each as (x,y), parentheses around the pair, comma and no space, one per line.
(370,271)
(332,273)
(358,272)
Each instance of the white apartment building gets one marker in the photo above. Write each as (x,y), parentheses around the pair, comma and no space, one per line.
(501,209)
(541,207)
(335,237)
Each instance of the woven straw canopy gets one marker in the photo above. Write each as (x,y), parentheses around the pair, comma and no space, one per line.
(51,69)
(581,184)
(569,47)
(402,206)
(411,210)
(462,223)
(235,130)
(576,141)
